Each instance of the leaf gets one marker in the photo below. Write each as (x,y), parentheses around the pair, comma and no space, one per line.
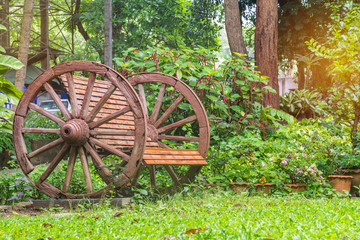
(11,62)
(195,230)
(47,225)
(117,214)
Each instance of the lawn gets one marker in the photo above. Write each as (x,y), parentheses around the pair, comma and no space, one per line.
(201,215)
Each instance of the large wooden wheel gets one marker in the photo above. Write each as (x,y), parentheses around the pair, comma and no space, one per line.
(175,119)
(103,134)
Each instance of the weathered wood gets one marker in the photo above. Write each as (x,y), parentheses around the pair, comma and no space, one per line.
(179,138)
(87,96)
(65,112)
(72,94)
(45,113)
(136,177)
(105,99)
(173,175)
(176,162)
(168,111)
(152,175)
(99,105)
(111,132)
(143,99)
(86,170)
(54,163)
(177,124)
(157,106)
(41,130)
(104,172)
(46,147)
(109,117)
(70,169)
(110,148)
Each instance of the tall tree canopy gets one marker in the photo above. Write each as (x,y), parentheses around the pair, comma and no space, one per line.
(153,23)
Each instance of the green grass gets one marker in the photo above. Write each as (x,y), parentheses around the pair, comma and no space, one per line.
(221,215)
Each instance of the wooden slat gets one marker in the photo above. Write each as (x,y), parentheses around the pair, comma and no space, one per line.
(161,156)
(175,162)
(167,151)
(65,112)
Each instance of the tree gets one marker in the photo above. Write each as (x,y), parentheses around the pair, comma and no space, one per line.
(24,43)
(233,26)
(266,47)
(108,33)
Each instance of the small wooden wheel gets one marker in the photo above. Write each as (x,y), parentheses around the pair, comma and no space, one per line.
(175,119)
(106,122)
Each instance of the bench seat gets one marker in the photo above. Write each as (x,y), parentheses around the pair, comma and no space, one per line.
(167,156)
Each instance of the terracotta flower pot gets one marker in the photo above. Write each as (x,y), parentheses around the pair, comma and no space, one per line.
(297,187)
(264,188)
(355,182)
(340,183)
(239,187)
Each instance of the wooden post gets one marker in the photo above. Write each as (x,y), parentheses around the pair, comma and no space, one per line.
(108,33)
(24,43)
(44,45)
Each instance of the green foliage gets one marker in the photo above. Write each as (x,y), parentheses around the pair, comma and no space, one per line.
(36,120)
(300,103)
(302,152)
(156,23)
(230,90)
(7,93)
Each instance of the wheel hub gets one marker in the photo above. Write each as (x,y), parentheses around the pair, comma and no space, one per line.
(75,132)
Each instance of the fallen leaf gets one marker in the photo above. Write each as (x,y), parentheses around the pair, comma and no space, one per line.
(117,214)
(80,217)
(135,220)
(47,225)
(195,230)
(96,217)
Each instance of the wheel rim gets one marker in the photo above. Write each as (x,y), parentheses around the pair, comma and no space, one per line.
(158,127)
(93,129)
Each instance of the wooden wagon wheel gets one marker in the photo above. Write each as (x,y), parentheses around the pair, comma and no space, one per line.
(166,117)
(106,118)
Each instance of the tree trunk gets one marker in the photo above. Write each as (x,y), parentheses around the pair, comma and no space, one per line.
(44,44)
(108,33)
(266,46)
(4,20)
(301,75)
(24,43)
(233,27)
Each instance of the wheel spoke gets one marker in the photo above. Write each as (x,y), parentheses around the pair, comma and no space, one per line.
(87,96)
(109,117)
(157,106)
(41,130)
(45,147)
(104,172)
(179,138)
(168,111)
(70,169)
(112,132)
(152,175)
(45,113)
(173,175)
(110,148)
(136,177)
(177,124)
(73,100)
(86,170)
(163,145)
(54,163)
(65,112)
(100,104)
(143,98)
